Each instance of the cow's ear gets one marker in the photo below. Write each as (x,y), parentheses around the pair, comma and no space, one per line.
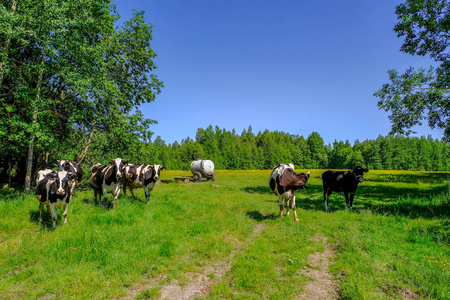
(163,168)
(67,165)
(125,163)
(366,170)
(110,164)
(51,175)
(307,175)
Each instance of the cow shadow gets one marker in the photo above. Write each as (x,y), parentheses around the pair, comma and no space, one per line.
(47,223)
(259,217)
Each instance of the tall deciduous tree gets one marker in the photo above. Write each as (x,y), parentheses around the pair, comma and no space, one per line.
(66,69)
(421,94)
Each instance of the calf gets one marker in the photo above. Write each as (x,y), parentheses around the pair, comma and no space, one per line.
(284,182)
(53,190)
(74,168)
(137,176)
(340,181)
(107,179)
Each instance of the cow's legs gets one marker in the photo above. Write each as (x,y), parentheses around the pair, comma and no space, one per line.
(281,205)
(41,205)
(116,194)
(346,199)
(132,193)
(294,208)
(352,196)
(105,196)
(147,192)
(54,215)
(125,190)
(326,196)
(65,206)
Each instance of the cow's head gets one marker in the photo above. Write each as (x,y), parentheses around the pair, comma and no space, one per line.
(153,173)
(291,179)
(359,172)
(62,181)
(63,165)
(119,165)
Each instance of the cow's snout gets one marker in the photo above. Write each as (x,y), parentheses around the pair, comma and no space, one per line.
(60,192)
(156,177)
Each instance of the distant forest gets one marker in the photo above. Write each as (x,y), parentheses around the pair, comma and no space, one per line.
(245,151)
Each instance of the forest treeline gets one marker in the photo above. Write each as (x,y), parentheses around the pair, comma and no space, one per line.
(245,151)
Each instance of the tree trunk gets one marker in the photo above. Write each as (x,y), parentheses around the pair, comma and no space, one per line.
(83,156)
(32,134)
(4,56)
(30,154)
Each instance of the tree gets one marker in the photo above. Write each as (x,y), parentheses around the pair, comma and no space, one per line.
(66,70)
(421,94)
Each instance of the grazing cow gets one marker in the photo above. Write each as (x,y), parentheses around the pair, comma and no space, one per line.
(107,178)
(137,176)
(53,190)
(74,168)
(340,181)
(284,182)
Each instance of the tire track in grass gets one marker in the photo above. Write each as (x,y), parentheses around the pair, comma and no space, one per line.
(322,285)
(199,284)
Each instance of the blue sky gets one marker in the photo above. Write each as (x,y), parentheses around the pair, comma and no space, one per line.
(296,66)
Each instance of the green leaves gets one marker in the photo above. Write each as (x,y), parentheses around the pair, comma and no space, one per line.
(419,95)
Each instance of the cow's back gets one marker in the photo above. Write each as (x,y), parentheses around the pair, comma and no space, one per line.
(334,180)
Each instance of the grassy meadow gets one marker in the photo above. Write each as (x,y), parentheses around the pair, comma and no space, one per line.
(393,245)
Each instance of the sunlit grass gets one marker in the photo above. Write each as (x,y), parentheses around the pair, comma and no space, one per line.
(395,241)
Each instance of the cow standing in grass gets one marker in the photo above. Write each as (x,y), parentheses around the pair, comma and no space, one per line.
(53,190)
(138,176)
(74,168)
(340,181)
(284,182)
(106,179)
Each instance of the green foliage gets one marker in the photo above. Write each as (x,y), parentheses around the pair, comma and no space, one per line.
(421,94)
(66,71)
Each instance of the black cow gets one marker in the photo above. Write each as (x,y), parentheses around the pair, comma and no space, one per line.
(107,179)
(340,181)
(53,190)
(284,182)
(137,176)
(74,168)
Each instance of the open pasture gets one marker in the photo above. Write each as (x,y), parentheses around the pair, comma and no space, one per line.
(228,242)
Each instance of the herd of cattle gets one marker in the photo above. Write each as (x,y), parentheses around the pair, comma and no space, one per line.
(56,188)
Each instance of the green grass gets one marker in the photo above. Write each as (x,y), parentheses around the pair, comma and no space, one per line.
(395,241)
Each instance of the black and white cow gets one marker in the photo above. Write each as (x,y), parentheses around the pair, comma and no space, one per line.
(107,179)
(53,190)
(284,182)
(342,181)
(74,168)
(138,176)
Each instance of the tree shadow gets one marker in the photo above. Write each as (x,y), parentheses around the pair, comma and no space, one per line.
(259,217)
(429,203)
(262,189)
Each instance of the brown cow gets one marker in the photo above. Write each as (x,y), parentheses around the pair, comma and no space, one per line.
(284,182)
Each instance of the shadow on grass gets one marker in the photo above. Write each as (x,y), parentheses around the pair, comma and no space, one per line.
(47,222)
(257,216)
(262,189)
(414,202)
